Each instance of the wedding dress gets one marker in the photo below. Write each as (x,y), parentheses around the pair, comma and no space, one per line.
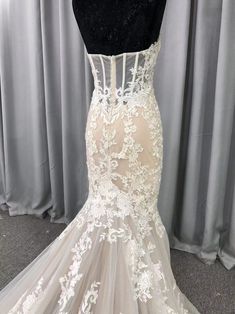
(114,257)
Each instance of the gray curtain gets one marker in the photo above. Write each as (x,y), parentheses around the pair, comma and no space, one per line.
(45,90)
(46,86)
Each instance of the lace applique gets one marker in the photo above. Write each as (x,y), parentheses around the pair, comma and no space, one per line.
(29,301)
(69,280)
(142,277)
(89,298)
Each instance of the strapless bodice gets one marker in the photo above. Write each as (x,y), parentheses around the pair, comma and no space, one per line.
(123,77)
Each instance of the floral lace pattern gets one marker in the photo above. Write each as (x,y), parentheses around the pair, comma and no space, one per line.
(124,146)
(29,300)
(89,298)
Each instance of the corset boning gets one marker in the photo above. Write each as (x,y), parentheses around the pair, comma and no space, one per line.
(122,78)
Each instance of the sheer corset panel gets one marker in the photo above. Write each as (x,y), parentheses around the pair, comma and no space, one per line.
(123,77)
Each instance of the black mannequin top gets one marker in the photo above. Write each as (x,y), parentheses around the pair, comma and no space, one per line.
(112,27)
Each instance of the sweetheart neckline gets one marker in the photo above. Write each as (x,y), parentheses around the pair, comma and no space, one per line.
(155,43)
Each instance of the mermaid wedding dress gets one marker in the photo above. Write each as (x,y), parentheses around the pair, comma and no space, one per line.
(114,257)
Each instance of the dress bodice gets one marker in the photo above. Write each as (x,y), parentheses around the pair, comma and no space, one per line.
(123,77)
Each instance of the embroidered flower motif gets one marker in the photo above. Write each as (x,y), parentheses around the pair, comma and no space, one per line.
(89,299)
(144,286)
(27,303)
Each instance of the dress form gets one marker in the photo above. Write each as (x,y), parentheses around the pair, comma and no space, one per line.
(114,26)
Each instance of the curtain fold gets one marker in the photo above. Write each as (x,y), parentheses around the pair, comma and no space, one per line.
(45,91)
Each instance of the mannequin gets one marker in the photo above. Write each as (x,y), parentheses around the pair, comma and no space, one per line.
(111,27)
